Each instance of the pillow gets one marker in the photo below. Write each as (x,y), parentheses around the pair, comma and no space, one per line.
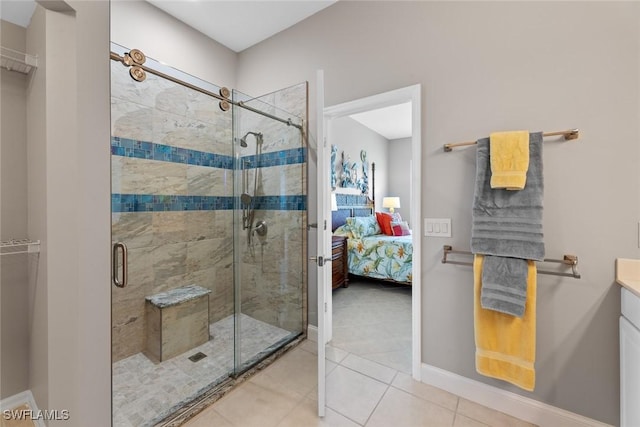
(384,221)
(363,226)
(343,230)
(396,216)
(400,228)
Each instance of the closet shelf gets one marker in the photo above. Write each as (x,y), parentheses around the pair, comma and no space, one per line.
(19,246)
(13,60)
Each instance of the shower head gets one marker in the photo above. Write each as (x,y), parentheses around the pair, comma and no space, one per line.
(243,140)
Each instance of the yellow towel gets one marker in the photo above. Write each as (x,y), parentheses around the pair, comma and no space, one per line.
(509,159)
(506,345)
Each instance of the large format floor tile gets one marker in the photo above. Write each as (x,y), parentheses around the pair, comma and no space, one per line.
(424,391)
(368,381)
(488,416)
(403,409)
(275,397)
(352,394)
(369,368)
(253,405)
(306,415)
(279,377)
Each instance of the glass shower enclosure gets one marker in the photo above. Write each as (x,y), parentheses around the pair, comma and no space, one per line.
(208,227)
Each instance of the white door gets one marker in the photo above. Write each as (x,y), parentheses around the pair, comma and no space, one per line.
(323,245)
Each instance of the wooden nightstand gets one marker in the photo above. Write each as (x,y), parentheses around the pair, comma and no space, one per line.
(339,266)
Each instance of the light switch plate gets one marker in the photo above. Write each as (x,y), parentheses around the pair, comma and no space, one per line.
(437,227)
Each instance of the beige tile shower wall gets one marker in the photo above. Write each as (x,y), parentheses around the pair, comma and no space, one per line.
(273,277)
(169,249)
(288,103)
(141,176)
(272,274)
(159,111)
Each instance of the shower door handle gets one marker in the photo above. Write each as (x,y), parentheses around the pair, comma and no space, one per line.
(119,247)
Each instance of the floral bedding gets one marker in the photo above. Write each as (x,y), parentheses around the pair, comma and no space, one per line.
(381,257)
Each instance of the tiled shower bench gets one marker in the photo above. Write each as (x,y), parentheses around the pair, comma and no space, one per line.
(177,321)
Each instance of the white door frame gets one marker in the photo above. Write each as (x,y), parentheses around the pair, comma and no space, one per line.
(386,99)
(323,246)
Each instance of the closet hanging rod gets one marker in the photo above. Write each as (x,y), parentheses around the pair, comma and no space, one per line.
(568,260)
(567,134)
(14,60)
(20,246)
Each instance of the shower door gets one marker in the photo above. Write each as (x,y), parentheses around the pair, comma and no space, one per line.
(208,217)
(172,209)
(269,226)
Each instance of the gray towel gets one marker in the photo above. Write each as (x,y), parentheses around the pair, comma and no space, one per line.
(504,284)
(507,224)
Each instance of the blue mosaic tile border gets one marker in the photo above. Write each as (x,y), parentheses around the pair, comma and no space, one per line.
(165,203)
(159,203)
(151,151)
(281,203)
(279,158)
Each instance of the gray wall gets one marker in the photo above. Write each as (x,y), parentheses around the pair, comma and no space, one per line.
(556,65)
(136,24)
(68,197)
(351,137)
(14,348)
(392,158)
(488,66)
(400,164)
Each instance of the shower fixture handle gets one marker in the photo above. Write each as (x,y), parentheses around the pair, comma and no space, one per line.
(119,247)
(261,228)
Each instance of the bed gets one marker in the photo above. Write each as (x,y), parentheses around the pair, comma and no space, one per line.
(371,253)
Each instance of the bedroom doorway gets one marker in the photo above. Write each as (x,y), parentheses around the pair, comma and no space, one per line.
(363,291)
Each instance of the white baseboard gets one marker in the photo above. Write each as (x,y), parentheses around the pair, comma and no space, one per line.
(513,404)
(312,333)
(18,400)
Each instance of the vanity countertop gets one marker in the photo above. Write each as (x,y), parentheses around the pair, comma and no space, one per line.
(628,274)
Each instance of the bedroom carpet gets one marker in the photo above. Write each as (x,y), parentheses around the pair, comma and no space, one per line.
(372,319)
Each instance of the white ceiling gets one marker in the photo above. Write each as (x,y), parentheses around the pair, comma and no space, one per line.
(239,24)
(391,122)
(17,11)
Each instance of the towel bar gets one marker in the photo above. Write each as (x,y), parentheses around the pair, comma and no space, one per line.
(567,134)
(568,260)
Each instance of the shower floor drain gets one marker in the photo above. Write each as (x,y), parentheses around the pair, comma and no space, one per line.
(197,357)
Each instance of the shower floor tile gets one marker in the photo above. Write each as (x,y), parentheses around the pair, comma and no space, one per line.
(145,392)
